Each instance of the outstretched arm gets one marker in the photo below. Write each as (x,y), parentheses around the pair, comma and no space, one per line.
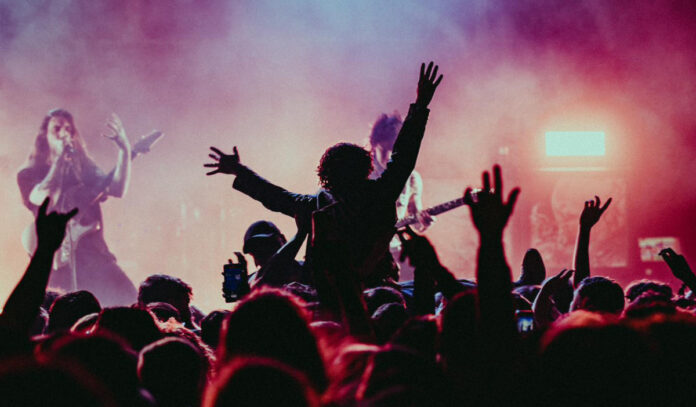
(407,144)
(248,182)
(588,218)
(490,215)
(119,183)
(23,304)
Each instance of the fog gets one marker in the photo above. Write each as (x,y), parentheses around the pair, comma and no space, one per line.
(282,81)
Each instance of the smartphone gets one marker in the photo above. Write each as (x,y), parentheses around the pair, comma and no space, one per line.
(525,320)
(234,283)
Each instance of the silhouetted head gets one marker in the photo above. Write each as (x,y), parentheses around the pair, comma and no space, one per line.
(343,167)
(211,326)
(636,288)
(70,307)
(397,376)
(260,382)
(165,288)
(174,371)
(137,326)
(378,296)
(107,358)
(598,294)
(271,323)
(419,334)
(24,382)
(387,319)
(262,240)
(608,364)
(533,270)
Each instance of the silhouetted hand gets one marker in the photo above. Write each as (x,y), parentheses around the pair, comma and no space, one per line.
(558,283)
(226,164)
(50,228)
(677,263)
(592,212)
(427,83)
(417,248)
(240,260)
(488,211)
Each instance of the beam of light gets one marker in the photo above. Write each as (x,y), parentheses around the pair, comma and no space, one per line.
(575,143)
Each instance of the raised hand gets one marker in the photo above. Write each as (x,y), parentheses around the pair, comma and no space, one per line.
(592,212)
(558,282)
(50,228)
(116,133)
(677,263)
(226,164)
(488,211)
(427,83)
(418,249)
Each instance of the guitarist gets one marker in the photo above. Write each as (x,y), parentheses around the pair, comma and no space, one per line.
(382,138)
(60,168)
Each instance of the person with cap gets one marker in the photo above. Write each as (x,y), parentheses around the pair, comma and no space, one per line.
(274,255)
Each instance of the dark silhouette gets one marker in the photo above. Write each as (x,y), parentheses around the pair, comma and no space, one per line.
(172,290)
(366,208)
(174,372)
(269,323)
(260,382)
(69,308)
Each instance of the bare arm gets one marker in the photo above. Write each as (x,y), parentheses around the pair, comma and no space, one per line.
(23,304)
(490,215)
(588,218)
(545,311)
(119,183)
(407,144)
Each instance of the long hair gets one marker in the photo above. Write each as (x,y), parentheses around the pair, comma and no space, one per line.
(40,154)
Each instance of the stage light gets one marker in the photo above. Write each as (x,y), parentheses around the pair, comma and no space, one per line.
(574,143)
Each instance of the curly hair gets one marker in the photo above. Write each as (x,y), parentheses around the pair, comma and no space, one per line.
(344,165)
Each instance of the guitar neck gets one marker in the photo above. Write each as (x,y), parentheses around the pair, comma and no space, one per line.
(435,210)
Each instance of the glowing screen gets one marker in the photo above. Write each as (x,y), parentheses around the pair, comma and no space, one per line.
(574,143)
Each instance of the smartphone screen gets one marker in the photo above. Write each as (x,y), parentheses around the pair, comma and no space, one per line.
(525,321)
(234,280)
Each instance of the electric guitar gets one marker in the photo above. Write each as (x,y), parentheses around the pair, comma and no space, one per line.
(75,229)
(435,210)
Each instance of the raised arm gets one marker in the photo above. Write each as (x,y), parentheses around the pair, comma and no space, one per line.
(23,304)
(248,182)
(545,311)
(407,144)
(121,178)
(679,267)
(490,215)
(588,218)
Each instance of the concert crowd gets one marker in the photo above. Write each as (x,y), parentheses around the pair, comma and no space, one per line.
(339,328)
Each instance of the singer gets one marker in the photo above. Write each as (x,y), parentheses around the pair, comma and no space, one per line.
(59,167)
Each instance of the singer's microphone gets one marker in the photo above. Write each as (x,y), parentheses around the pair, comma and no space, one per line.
(69,150)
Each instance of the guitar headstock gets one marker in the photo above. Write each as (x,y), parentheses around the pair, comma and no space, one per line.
(146,142)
